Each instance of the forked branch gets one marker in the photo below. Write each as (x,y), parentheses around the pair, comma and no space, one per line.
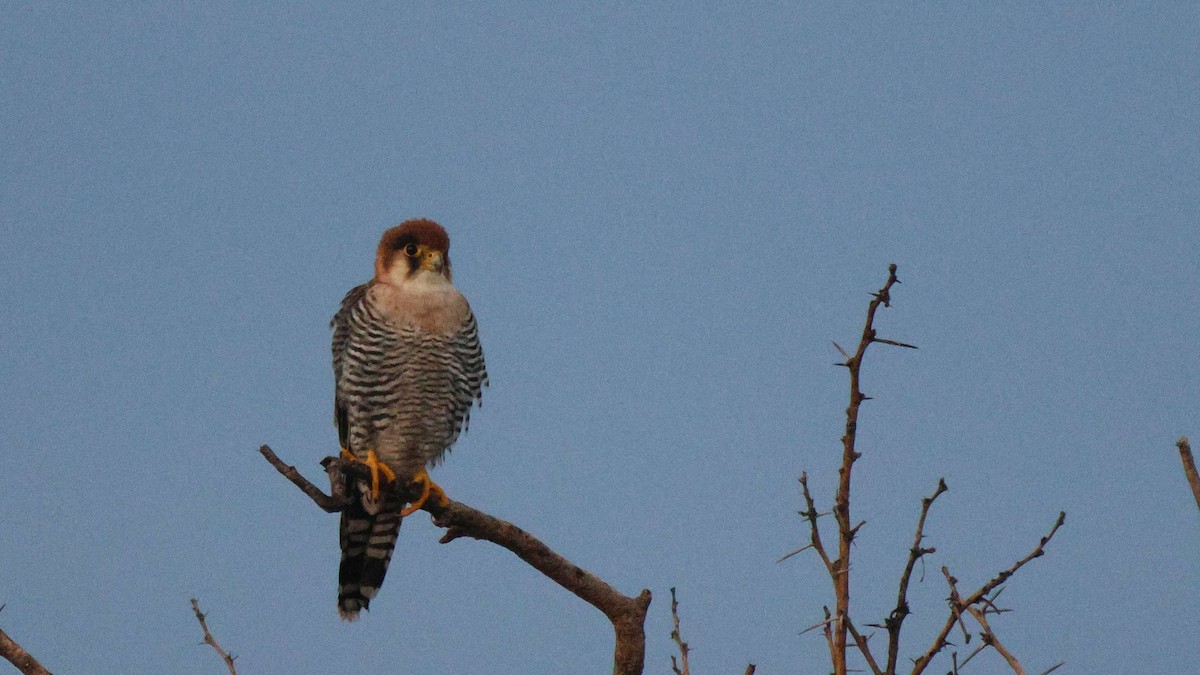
(958,604)
(627,614)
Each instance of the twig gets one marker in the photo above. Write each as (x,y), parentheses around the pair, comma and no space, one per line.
(16,655)
(210,640)
(894,622)
(1189,467)
(750,669)
(326,502)
(627,614)
(810,514)
(683,646)
(957,607)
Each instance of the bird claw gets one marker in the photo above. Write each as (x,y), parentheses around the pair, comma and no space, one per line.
(377,467)
(428,489)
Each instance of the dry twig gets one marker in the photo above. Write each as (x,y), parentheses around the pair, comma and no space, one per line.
(680,667)
(1189,467)
(627,614)
(16,655)
(210,640)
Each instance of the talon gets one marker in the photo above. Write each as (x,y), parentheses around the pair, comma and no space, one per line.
(428,489)
(377,467)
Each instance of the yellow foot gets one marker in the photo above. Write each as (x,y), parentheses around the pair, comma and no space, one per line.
(377,467)
(428,489)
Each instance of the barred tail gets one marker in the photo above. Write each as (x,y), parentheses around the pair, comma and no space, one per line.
(367,544)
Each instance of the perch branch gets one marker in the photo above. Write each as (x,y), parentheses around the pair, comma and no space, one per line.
(1189,467)
(210,640)
(16,655)
(627,614)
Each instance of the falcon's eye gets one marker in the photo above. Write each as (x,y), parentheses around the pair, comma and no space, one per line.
(410,250)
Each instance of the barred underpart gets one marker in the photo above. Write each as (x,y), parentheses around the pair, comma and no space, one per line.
(405,393)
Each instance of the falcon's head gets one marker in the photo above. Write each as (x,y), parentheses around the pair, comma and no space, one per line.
(412,250)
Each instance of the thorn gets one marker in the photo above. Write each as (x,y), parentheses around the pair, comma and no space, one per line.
(894,343)
(841,351)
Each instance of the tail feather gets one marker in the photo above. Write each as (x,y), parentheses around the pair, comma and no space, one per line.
(368,536)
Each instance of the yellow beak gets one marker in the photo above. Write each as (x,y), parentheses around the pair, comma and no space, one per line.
(431,260)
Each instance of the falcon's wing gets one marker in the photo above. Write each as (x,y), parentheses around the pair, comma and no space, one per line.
(341,342)
(472,376)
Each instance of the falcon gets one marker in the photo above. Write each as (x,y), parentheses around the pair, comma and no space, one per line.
(407,367)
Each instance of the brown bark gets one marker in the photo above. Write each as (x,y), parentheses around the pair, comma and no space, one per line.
(1189,467)
(16,655)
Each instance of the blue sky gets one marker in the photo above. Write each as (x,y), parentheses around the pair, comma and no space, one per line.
(662,214)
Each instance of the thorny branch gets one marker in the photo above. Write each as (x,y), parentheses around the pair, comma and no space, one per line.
(627,614)
(840,568)
(958,605)
(896,620)
(210,640)
(838,625)
(1189,467)
(16,655)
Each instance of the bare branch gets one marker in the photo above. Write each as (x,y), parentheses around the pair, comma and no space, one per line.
(210,640)
(959,605)
(896,620)
(16,655)
(840,568)
(627,614)
(326,502)
(1189,467)
(683,646)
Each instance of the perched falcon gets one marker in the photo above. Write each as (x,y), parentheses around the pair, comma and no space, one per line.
(407,367)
